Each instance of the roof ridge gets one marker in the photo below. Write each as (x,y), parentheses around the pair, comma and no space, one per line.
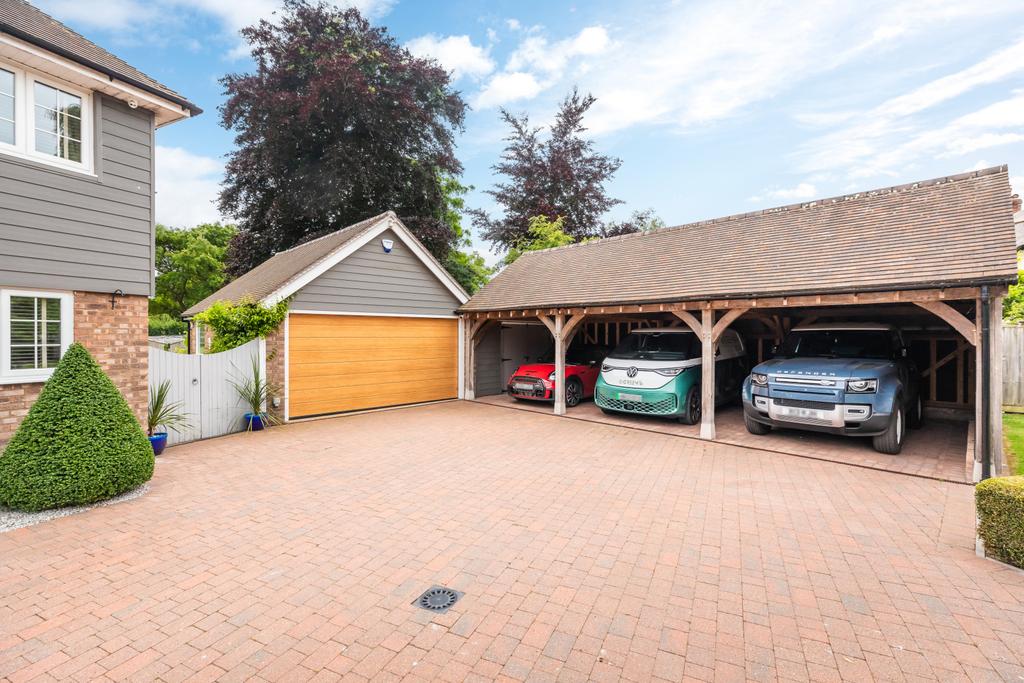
(335,232)
(811,204)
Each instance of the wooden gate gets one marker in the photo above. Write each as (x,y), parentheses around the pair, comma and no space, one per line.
(1013,365)
(202,383)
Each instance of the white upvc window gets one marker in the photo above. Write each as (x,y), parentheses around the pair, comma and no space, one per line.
(35,330)
(45,120)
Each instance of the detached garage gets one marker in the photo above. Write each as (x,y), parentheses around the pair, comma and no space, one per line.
(371,321)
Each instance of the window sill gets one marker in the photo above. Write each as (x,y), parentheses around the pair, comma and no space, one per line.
(42,164)
(27,379)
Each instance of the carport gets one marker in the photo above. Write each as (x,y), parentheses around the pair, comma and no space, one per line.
(935,256)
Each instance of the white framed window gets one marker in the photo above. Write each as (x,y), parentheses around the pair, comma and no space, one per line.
(36,329)
(45,120)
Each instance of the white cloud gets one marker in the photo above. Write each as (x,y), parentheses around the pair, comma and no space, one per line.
(145,16)
(537,53)
(457,54)
(796,193)
(507,87)
(537,63)
(885,138)
(513,24)
(187,185)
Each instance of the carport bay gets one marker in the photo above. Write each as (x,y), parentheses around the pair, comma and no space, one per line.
(934,257)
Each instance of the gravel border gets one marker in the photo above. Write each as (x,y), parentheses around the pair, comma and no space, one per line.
(16,519)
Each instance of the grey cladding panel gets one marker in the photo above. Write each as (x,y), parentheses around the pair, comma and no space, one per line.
(372,281)
(488,363)
(65,230)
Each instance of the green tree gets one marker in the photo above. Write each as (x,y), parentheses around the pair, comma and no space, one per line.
(468,267)
(235,324)
(1013,303)
(189,265)
(541,234)
(336,122)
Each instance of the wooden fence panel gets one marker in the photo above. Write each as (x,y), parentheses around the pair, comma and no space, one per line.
(202,384)
(1013,366)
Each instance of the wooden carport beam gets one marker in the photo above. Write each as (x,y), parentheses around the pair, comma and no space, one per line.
(723,324)
(957,320)
(691,321)
(707,377)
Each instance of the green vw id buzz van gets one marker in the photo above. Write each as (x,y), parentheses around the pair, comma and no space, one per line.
(657,372)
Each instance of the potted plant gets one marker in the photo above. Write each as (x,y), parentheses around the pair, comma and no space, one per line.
(163,413)
(255,392)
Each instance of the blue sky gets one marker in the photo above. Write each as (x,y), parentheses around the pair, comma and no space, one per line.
(713,107)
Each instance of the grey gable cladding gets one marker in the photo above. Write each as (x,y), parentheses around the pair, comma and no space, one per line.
(367,285)
(372,281)
(66,230)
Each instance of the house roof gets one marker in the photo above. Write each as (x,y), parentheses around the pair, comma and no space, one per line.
(950,231)
(287,271)
(23,21)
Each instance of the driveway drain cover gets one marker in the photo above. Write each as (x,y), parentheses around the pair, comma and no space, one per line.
(437,599)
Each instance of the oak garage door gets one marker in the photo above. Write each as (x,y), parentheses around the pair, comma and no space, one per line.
(347,362)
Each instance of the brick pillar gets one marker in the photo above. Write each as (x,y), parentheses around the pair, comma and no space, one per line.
(275,367)
(118,339)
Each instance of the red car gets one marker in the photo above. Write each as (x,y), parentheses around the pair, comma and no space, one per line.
(535,381)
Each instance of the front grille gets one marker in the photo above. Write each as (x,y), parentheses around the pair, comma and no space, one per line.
(664,406)
(799,403)
(537,391)
(805,420)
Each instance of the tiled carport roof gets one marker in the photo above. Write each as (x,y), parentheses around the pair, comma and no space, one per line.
(22,20)
(952,231)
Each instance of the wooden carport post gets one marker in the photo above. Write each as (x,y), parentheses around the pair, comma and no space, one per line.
(562,330)
(472,331)
(709,332)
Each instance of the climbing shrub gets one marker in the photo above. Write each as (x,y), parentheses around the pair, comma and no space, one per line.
(235,324)
(80,442)
(1000,502)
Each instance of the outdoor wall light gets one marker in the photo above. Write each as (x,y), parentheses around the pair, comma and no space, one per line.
(113,297)
(388,245)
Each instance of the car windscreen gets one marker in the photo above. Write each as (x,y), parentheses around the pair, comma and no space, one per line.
(577,355)
(874,344)
(657,346)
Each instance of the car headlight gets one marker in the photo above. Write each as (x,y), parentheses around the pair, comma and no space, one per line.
(669,372)
(759,378)
(551,377)
(862,386)
(606,368)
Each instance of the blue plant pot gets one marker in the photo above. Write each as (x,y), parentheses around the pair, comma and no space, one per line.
(159,442)
(253,421)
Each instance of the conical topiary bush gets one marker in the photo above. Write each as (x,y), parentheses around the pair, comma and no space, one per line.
(79,443)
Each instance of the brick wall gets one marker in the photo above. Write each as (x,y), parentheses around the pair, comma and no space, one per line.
(275,367)
(117,338)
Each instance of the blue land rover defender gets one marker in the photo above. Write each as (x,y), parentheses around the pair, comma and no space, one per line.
(843,378)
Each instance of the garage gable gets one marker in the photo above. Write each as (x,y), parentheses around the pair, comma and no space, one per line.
(377,281)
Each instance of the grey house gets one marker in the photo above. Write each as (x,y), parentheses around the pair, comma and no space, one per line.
(76,206)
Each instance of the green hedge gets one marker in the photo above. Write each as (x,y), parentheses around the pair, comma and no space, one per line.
(1000,503)
(80,442)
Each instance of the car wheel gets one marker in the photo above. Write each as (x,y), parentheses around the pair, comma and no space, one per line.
(573,392)
(916,418)
(691,411)
(890,441)
(755,427)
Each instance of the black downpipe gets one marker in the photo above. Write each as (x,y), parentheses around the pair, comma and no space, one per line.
(985,370)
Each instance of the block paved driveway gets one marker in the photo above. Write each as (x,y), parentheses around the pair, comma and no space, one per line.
(586,552)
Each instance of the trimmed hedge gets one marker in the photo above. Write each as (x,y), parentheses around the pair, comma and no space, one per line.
(1000,502)
(80,442)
